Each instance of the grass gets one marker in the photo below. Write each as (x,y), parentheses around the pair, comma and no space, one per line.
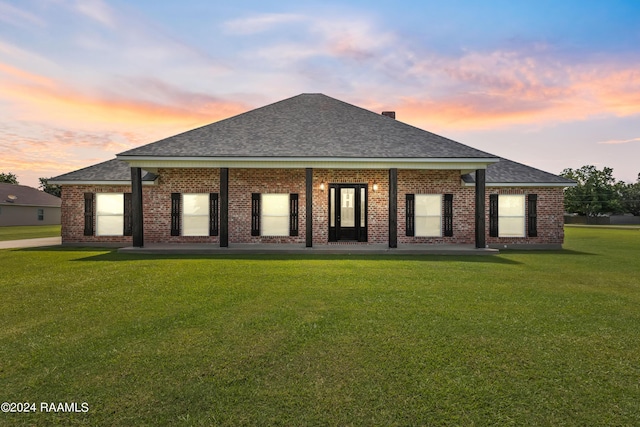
(522,338)
(28,232)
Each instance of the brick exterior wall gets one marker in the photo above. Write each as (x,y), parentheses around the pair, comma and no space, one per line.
(72,218)
(243,182)
(438,182)
(378,205)
(550,221)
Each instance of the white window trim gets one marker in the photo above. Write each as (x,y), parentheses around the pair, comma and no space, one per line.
(99,215)
(417,215)
(278,216)
(520,216)
(188,217)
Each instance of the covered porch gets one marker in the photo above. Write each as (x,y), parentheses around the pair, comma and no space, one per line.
(301,249)
(391,201)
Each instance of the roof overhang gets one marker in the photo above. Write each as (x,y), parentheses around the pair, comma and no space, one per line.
(97,182)
(523,184)
(149,163)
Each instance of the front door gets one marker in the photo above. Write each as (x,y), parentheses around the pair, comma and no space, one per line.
(348,212)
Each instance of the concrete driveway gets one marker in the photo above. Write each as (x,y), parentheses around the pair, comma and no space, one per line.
(31,243)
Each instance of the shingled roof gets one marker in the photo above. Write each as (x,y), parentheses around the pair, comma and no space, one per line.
(308,126)
(21,195)
(507,172)
(112,171)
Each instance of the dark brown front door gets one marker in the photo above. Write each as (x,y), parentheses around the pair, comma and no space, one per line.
(348,212)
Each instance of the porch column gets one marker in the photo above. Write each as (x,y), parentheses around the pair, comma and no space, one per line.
(393,208)
(480,208)
(136,208)
(224,207)
(309,206)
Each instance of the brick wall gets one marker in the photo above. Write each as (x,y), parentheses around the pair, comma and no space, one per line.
(438,182)
(378,208)
(72,217)
(550,221)
(243,182)
(157,202)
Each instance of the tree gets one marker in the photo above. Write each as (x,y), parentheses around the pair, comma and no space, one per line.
(9,178)
(631,197)
(597,192)
(50,188)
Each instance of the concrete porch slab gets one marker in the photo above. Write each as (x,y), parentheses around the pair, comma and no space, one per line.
(299,249)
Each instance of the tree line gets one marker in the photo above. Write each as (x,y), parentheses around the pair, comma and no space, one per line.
(596,193)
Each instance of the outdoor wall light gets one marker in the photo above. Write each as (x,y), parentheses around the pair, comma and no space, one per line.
(375,186)
(322,186)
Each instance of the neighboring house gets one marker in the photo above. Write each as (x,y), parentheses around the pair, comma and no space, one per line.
(22,205)
(311,170)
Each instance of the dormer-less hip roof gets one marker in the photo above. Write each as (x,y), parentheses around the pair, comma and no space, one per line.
(311,128)
(315,131)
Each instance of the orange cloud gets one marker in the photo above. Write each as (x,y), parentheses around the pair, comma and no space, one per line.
(617,90)
(54,101)
(17,73)
(52,128)
(32,150)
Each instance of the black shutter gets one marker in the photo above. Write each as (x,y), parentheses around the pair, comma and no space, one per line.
(128,219)
(532,215)
(410,215)
(213,214)
(448,215)
(88,214)
(255,214)
(175,214)
(493,215)
(293,214)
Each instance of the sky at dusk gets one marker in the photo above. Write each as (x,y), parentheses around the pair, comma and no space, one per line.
(552,84)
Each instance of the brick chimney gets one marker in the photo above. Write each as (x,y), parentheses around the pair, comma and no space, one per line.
(391,114)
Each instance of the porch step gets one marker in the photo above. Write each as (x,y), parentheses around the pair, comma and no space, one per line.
(297,249)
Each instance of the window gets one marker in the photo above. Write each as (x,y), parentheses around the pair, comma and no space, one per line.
(511,219)
(40,214)
(109,214)
(274,215)
(428,215)
(425,216)
(195,214)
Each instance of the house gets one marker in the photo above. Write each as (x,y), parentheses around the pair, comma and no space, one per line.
(22,205)
(311,170)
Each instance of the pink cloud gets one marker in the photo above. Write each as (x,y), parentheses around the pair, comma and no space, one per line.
(619,141)
(501,89)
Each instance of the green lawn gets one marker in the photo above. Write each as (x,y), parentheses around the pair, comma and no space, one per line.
(28,232)
(544,338)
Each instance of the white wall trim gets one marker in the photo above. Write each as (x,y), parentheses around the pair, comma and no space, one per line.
(308,162)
